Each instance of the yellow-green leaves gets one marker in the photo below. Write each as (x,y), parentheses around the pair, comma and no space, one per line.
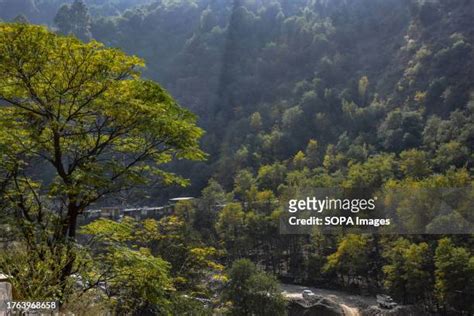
(77,124)
(82,110)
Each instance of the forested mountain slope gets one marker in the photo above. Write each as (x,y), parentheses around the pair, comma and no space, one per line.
(43,11)
(266,77)
(295,94)
(360,77)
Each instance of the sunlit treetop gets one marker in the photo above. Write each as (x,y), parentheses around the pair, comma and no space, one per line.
(83,110)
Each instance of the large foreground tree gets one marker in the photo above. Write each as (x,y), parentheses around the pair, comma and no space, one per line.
(77,124)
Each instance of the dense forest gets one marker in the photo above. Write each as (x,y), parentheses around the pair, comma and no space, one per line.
(288,95)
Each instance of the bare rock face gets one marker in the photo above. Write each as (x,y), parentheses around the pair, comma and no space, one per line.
(318,306)
(5,295)
(401,310)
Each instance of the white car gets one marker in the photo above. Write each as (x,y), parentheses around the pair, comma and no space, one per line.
(386,301)
(308,294)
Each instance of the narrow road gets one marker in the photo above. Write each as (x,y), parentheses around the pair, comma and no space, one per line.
(349,303)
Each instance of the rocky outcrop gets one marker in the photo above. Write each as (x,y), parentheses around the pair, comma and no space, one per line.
(397,311)
(320,306)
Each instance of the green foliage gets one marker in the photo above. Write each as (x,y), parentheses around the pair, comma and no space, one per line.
(190,306)
(350,258)
(256,121)
(363,85)
(205,215)
(401,130)
(316,264)
(243,183)
(372,173)
(292,71)
(407,272)
(229,226)
(270,176)
(414,163)
(451,154)
(313,153)
(74,19)
(37,274)
(291,117)
(78,124)
(454,275)
(299,160)
(148,263)
(70,105)
(253,292)
(139,280)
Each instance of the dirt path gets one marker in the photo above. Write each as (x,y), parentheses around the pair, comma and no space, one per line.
(350,311)
(349,303)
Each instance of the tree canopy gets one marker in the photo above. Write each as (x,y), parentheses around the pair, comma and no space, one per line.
(77,125)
